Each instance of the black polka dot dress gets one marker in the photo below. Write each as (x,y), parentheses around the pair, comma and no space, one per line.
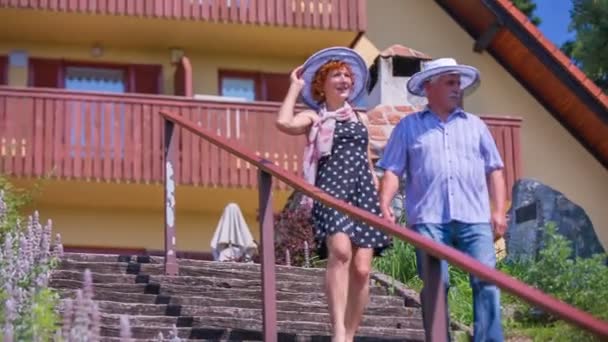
(345,174)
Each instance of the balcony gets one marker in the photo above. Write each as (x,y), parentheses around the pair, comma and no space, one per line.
(276,27)
(119,138)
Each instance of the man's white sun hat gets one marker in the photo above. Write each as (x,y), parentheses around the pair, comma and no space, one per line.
(469,76)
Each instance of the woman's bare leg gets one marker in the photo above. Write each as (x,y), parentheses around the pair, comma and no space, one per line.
(336,282)
(358,289)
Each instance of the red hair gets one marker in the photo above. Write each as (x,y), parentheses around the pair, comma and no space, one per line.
(318,82)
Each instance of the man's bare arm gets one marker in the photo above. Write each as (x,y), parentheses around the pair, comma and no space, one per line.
(498,198)
(390,185)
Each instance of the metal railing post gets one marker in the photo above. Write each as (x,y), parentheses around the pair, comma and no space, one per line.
(434,300)
(170,152)
(268,259)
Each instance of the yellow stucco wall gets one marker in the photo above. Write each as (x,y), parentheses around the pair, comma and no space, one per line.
(550,154)
(131,215)
(18,75)
(131,228)
(205,66)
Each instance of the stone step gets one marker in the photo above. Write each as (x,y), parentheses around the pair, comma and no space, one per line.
(286,286)
(176,294)
(374,308)
(221,301)
(251,330)
(59,283)
(232,317)
(194,271)
(197,307)
(252,267)
(231,336)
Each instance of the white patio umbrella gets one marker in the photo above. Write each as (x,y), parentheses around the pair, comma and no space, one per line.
(232,238)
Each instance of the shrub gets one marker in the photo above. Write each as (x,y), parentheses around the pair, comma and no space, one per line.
(15,200)
(293,227)
(577,281)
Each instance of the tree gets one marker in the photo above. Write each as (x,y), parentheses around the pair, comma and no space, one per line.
(589,19)
(527,7)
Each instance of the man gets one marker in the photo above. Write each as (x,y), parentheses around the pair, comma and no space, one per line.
(451,163)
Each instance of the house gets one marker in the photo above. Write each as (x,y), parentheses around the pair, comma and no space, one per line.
(86,79)
(564,126)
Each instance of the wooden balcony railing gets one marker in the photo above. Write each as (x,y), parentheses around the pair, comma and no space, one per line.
(339,15)
(119,138)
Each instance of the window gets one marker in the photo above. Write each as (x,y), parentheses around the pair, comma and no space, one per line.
(241,87)
(102,128)
(123,78)
(95,79)
(253,86)
(85,76)
(245,3)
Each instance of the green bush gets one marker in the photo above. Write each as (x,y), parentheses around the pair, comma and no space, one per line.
(579,282)
(15,201)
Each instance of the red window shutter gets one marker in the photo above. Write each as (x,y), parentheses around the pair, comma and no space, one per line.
(145,79)
(3,70)
(179,81)
(274,86)
(182,78)
(45,72)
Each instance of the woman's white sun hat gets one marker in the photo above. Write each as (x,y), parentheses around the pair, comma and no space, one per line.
(350,56)
(469,76)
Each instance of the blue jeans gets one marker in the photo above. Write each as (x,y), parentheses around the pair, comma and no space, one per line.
(476,240)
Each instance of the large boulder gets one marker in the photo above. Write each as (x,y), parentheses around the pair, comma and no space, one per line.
(534,205)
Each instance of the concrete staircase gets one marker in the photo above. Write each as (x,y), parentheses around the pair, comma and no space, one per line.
(222,301)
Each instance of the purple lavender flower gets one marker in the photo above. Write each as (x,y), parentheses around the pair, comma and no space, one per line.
(68,317)
(83,323)
(45,243)
(80,324)
(58,250)
(95,320)
(26,263)
(8,333)
(173,335)
(125,329)
(88,285)
(306,254)
(10,313)
(2,207)
(287,258)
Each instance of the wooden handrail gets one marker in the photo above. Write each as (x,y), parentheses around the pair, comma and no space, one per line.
(520,289)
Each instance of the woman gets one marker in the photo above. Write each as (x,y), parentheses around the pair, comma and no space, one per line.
(336,160)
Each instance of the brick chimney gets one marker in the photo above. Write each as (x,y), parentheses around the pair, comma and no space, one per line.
(388,100)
